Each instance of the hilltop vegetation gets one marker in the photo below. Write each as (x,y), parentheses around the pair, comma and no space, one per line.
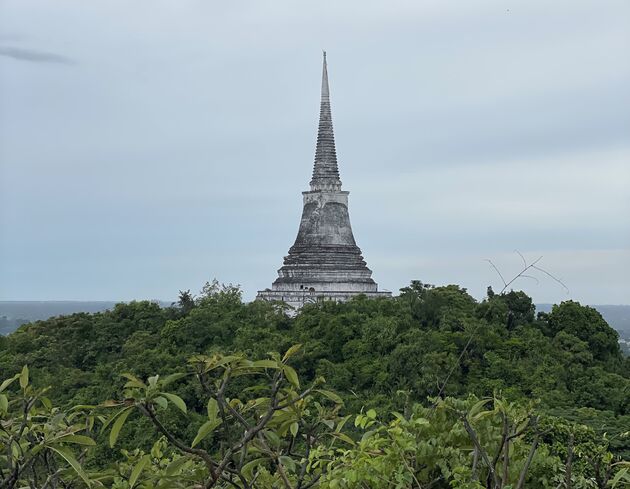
(426,351)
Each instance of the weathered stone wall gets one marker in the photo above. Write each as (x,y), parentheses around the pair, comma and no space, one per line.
(298,298)
(325,219)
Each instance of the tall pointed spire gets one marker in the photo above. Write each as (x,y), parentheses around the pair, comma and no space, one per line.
(324,261)
(325,170)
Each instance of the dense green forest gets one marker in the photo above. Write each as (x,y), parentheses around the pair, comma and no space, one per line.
(428,389)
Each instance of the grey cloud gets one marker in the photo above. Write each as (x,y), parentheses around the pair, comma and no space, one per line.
(34,56)
(179,154)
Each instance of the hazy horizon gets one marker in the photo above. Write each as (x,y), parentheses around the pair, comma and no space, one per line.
(150,147)
(174,301)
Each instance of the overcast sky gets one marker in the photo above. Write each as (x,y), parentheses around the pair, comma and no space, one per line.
(149,146)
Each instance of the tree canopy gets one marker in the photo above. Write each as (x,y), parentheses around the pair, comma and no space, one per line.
(430,350)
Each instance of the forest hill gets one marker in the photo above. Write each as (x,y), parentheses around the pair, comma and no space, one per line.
(380,356)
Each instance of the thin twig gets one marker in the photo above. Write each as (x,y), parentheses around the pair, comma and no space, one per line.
(497,270)
(522,274)
(552,277)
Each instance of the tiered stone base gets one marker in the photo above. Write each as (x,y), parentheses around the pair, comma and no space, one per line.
(297,299)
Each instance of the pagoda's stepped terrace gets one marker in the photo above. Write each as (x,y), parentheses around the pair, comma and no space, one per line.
(324,262)
(298,298)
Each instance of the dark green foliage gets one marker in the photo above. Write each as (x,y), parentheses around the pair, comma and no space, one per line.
(515,308)
(588,325)
(186,301)
(279,433)
(427,341)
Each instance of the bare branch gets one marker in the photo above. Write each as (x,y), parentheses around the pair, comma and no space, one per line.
(530,457)
(475,439)
(532,277)
(497,270)
(552,277)
(523,273)
(520,274)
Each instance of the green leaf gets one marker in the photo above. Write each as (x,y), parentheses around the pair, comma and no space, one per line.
(8,382)
(78,439)
(330,395)
(110,403)
(343,437)
(169,379)
(254,403)
(291,351)
(46,402)
(107,421)
(288,462)
(161,401)
(120,421)
(204,430)
(175,399)
(621,474)
(272,438)
(74,463)
(482,414)
(227,359)
(137,470)
(477,407)
(341,423)
(210,363)
(172,468)
(371,414)
(133,381)
(24,377)
(248,468)
(213,409)
(499,405)
(4,403)
(294,429)
(265,364)
(291,376)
